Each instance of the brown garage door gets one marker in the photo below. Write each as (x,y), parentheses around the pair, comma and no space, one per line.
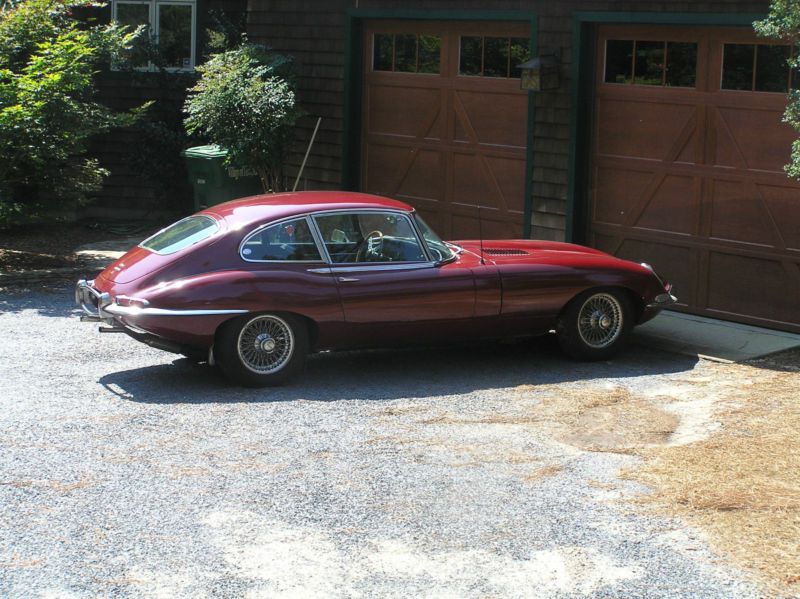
(688,154)
(445,122)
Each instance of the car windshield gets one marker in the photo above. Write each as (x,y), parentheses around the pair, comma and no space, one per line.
(181,235)
(440,250)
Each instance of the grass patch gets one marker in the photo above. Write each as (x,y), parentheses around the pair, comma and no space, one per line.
(742,485)
(602,419)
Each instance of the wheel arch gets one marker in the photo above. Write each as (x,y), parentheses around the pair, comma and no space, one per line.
(312,328)
(636,300)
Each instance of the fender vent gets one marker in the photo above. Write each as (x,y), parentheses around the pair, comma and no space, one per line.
(502,252)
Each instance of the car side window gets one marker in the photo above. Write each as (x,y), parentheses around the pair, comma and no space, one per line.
(369,237)
(289,241)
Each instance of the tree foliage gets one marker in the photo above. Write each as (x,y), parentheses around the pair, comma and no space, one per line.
(245,102)
(783,23)
(48,60)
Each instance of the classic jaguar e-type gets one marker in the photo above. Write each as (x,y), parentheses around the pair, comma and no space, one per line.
(254,285)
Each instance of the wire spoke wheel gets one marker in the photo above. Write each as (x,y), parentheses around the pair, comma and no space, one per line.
(600,320)
(265,344)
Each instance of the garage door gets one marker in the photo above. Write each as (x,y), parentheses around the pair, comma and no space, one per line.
(687,167)
(445,122)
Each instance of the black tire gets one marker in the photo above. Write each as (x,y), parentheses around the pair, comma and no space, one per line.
(595,325)
(198,356)
(262,350)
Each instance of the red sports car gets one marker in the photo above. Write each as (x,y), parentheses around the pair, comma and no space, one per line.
(256,284)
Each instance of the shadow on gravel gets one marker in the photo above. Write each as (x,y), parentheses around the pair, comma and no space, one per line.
(47,298)
(394,374)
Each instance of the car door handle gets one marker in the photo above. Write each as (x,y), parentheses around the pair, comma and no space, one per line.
(347,280)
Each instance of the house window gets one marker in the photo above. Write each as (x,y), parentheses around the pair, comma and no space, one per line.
(406,53)
(757,67)
(171,27)
(666,64)
(492,56)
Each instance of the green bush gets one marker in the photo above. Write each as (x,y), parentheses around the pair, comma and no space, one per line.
(245,102)
(48,60)
(783,23)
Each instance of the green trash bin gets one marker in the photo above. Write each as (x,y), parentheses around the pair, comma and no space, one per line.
(213,182)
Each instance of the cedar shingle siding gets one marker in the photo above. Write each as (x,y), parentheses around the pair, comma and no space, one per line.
(129,192)
(313,31)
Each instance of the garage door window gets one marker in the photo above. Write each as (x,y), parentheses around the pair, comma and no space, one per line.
(492,56)
(407,53)
(666,64)
(756,67)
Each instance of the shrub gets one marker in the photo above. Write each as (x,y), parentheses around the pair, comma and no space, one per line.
(783,23)
(47,110)
(245,102)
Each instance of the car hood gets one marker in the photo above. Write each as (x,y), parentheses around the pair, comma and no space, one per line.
(523,250)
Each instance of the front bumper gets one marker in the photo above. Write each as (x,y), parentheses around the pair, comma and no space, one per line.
(663,301)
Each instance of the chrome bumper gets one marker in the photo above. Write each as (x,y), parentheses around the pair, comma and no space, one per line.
(101,307)
(662,301)
(92,302)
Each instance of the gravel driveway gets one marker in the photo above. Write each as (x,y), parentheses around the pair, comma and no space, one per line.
(125,471)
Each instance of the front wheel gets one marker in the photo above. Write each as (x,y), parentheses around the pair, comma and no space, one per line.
(595,324)
(263,350)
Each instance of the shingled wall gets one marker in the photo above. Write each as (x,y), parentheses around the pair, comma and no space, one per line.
(313,31)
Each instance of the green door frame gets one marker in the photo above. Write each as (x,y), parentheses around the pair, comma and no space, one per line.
(582,93)
(353,69)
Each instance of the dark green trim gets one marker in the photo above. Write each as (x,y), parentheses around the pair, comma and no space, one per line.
(527,223)
(351,121)
(200,29)
(440,15)
(667,18)
(581,94)
(353,68)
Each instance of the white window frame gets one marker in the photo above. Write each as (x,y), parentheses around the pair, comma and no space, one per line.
(153,17)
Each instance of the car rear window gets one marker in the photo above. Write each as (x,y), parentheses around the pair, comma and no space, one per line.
(182,234)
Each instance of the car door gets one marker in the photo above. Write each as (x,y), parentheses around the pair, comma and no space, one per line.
(387,281)
(289,274)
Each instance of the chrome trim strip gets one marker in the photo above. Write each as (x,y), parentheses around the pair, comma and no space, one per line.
(132,311)
(317,234)
(382,266)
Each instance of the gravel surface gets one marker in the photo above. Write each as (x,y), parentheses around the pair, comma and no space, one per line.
(125,471)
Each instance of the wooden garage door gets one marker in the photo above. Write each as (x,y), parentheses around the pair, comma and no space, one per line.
(688,155)
(445,122)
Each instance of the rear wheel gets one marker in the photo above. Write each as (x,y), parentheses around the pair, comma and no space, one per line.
(595,324)
(263,350)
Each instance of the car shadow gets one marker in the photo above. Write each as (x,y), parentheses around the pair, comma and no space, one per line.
(393,374)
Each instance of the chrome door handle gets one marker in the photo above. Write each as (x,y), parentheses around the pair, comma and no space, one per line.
(346,280)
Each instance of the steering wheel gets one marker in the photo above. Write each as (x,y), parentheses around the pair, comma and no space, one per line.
(368,246)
